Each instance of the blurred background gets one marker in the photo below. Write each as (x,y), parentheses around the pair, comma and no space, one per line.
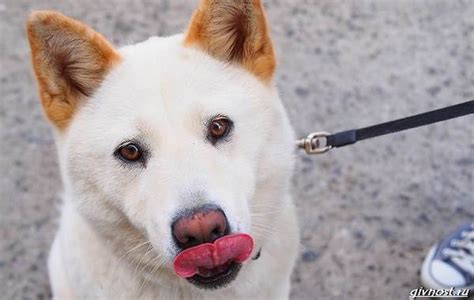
(368,212)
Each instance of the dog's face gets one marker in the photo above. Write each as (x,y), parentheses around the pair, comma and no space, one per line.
(170,143)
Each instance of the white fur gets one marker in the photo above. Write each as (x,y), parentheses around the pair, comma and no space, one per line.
(163,94)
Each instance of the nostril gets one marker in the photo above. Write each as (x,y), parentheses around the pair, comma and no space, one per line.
(217,232)
(191,241)
(186,239)
(180,239)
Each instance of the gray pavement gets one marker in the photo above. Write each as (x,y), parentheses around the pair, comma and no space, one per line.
(368,213)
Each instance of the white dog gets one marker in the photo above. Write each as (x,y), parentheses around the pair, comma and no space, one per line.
(176,155)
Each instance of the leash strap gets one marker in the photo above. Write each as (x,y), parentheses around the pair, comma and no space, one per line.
(313,143)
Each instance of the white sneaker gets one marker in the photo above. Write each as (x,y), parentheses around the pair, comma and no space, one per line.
(450,263)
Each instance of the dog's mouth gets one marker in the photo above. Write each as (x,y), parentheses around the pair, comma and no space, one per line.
(214,265)
(217,277)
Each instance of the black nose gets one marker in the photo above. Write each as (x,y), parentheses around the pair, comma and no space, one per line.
(200,225)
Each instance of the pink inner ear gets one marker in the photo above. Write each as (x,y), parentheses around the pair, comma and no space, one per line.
(80,59)
(239,35)
(235,247)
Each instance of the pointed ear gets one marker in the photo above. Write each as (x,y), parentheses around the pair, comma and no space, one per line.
(70,60)
(234,31)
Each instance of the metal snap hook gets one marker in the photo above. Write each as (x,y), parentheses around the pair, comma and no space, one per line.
(312,143)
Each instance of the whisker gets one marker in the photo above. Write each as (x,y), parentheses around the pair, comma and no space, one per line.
(139,263)
(160,261)
(134,248)
(263,205)
(264,215)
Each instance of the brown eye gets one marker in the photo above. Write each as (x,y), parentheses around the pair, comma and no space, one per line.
(219,128)
(130,152)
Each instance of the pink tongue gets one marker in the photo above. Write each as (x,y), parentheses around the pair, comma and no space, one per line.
(235,247)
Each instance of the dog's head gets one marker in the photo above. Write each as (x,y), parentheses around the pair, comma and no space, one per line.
(173,142)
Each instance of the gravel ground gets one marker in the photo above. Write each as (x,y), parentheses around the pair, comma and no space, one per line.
(368,212)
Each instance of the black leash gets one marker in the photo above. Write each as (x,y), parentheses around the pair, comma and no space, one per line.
(314,142)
